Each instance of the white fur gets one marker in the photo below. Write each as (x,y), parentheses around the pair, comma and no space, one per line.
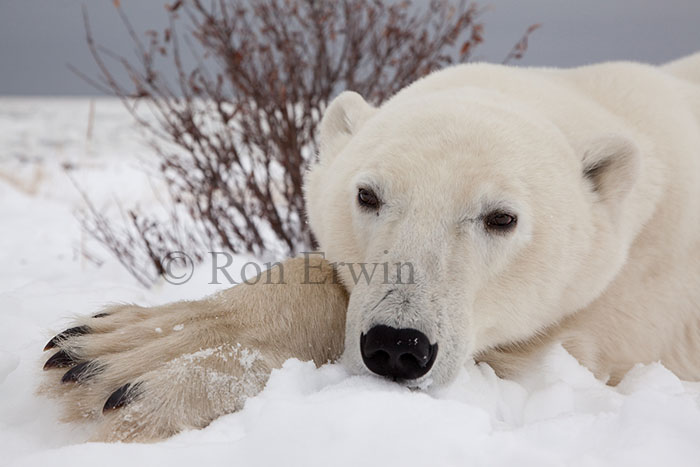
(601,164)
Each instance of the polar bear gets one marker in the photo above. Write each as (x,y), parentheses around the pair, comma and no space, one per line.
(521,207)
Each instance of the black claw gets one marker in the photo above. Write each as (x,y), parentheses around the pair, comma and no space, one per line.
(100,315)
(81,372)
(122,396)
(72,332)
(60,359)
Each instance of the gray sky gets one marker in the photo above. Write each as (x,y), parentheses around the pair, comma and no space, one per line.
(39,37)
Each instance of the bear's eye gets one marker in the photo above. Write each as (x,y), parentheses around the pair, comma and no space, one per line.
(500,221)
(367,199)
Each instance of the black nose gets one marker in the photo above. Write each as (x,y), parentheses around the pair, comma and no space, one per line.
(397,353)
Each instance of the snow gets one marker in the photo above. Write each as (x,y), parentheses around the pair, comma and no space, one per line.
(556,414)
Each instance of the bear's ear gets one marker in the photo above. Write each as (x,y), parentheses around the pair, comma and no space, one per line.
(613,165)
(343,117)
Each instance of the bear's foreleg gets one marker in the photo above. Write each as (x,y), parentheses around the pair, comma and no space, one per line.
(144,374)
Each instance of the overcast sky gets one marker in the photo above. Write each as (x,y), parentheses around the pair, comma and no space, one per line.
(39,37)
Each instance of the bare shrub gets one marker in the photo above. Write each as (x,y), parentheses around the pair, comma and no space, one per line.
(235,134)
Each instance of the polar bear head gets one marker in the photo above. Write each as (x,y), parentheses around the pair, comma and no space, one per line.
(459,222)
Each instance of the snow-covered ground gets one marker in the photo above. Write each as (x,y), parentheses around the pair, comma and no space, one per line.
(306,416)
